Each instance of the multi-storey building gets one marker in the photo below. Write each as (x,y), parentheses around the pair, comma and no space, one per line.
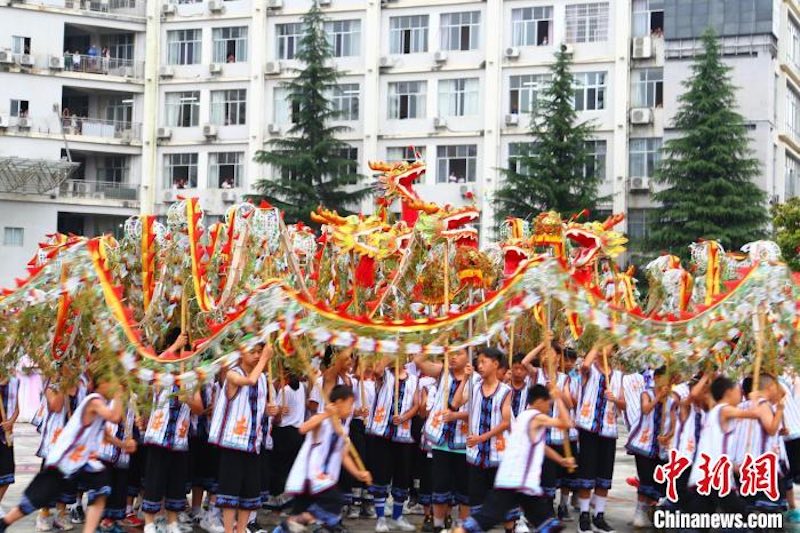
(188,92)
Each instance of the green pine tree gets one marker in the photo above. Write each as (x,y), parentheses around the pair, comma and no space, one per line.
(708,172)
(786,222)
(309,164)
(555,171)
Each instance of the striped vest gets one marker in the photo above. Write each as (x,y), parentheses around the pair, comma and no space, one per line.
(486,412)
(714,442)
(556,436)
(452,435)
(318,463)
(595,413)
(380,421)
(519,398)
(643,438)
(54,422)
(199,424)
(236,422)
(521,467)
(791,411)
(9,397)
(632,388)
(78,446)
(112,454)
(168,426)
(688,432)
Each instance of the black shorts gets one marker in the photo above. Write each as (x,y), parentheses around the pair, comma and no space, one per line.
(286,444)
(48,484)
(449,483)
(117,501)
(204,464)
(645,469)
(481,481)
(499,503)
(358,438)
(165,478)
(793,453)
(136,469)
(564,478)
(239,480)
(7,466)
(595,460)
(390,466)
(265,464)
(326,506)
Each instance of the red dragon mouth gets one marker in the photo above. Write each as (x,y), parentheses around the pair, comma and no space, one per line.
(587,246)
(461,217)
(514,257)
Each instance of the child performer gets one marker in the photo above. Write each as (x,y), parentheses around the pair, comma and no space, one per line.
(118,444)
(392,445)
(236,430)
(490,417)
(520,383)
(9,387)
(286,436)
(315,472)
(599,401)
(204,458)
(423,461)
(446,429)
(518,481)
(72,458)
(791,439)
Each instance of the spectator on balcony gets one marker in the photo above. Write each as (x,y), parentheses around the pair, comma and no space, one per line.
(452,178)
(227,183)
(231,58)
(92,53)
(67,60)
(76,60)
(65,120)
(106,59)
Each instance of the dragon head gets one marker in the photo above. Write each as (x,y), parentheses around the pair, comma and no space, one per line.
(591,240)
(515,247)
(456,225)
(397,181)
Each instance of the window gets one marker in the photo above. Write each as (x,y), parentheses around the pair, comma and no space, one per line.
(120,46)
(13,236)
(525,91)
(114,170)
(184,46)
(648,17)
(459,31)
(20,45)
(532,26)
(587,23)
(590,91)
(344,36)
(793,112)
(225,170)
(409,35)
(407,99)
(230,44)
(183,109)
(350,168)
(456,163)
(791,176)
(637,224)
(119,110)
(181,171)
(645,155)
(19,108)
(285,110)
(289,37)
(516,151)
(793,45)
(345,99)
(648,87)
(596,166)
(229,108)
(459,97)
(405,153)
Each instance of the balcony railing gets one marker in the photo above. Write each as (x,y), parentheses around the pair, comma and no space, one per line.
(67,62)
(82,126)
(134,8)
(101,190)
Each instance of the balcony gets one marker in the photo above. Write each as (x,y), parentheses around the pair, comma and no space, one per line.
(86,127)
(132,8)
(73,63)
(99,190)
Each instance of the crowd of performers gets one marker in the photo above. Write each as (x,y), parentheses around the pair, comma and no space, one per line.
(470,444)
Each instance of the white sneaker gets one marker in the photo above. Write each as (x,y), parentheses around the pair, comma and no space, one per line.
(354,512)
(174,527)
(521,526)
(150,528)
(415,509)
(401,524)
(63,523)
(43,523)
(211,523)
(382,525)
(641,519)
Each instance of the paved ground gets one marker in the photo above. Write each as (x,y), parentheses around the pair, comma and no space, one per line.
(621,504)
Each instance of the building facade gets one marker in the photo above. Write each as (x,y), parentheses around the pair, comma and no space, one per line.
(157,100)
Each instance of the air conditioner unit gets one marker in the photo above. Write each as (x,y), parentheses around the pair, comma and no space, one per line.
(274,4)
(81,188)
(639,184)
(439,123)
(69,130)
(6,56)
(512,52)
(642,47)
(641,116)
(386,62)
(56,62)
(126,136)
(274,129)
(440,56)
(324,2)
(166,71)
(229,197)
(567,49)
(273,68)
(512,119)
(169,196)
(216,6)
(168,9)
(126,72)
(3,121)
(26,60)
(23,123)
(209,130)
(163,133)
(215,68)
